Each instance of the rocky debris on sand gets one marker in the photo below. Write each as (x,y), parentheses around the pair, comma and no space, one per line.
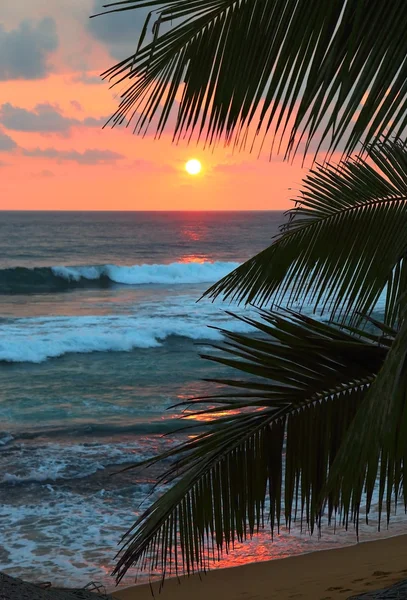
(398,591)
(17,589)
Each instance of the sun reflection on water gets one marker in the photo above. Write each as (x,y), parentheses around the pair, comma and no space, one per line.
(194,258)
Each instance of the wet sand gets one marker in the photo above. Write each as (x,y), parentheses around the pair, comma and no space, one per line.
(325,575)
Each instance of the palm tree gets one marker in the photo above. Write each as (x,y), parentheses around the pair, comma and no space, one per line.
(318,415)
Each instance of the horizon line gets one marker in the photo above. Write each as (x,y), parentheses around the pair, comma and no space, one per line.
(54,210)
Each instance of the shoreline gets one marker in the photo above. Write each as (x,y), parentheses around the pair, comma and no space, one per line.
(319,575)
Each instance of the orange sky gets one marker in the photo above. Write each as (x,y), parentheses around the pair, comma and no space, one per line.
(53,157)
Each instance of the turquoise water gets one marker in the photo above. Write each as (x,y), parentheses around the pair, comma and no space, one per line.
(100,335)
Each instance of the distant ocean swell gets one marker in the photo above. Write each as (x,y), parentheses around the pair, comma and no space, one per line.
(23,280)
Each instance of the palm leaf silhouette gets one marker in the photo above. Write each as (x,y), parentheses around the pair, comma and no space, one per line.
(301,380)
(334,72)
(343,246)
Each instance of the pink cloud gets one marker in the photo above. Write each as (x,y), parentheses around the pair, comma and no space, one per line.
(91,156)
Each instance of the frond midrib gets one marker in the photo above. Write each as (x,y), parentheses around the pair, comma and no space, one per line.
(342,211)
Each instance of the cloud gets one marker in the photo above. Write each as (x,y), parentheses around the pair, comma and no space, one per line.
(88,157)
(44,118)
(92,122)
(44,174)
(87,79)
(77,105)
(24,51)
(118,31)
(6,142)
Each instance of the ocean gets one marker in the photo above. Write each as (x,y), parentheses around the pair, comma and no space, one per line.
(100,334)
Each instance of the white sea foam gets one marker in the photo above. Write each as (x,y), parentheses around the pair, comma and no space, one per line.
(145,324)
(5,438)
(171,274)
(53,470)
(74,536)
(38,339)
(55,462)
(38,464)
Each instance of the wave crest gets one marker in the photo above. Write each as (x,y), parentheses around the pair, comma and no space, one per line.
(37,339)
(23,280)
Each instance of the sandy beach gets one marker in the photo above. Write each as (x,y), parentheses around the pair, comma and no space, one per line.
(324,575)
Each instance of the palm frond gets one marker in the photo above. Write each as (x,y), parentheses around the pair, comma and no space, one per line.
(343,246)
(378,437)
(336,70)
(302,380)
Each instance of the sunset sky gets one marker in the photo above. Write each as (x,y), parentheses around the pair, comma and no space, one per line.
(54,154)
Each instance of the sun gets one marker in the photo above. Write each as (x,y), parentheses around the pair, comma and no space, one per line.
(193,166)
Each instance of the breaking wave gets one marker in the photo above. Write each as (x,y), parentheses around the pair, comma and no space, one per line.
(23,280)
(38,339)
